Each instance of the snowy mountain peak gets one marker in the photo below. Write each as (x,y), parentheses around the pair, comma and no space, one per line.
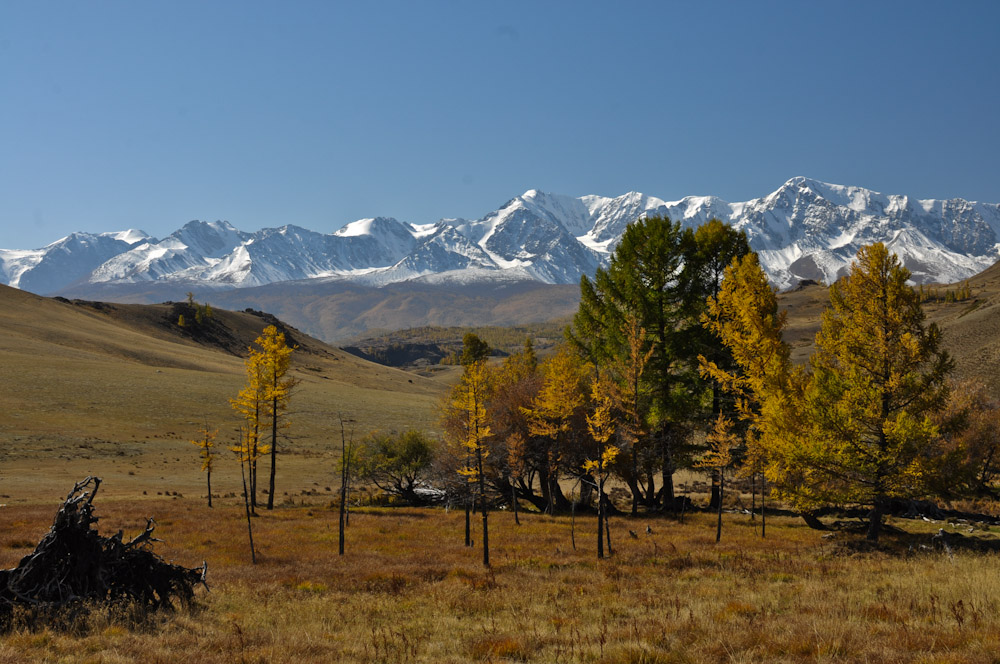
(805,229)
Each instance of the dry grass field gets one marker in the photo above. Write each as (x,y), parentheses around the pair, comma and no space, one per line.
(407,590)
(116,391)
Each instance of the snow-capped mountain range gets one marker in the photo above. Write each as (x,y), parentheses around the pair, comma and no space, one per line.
(804,230)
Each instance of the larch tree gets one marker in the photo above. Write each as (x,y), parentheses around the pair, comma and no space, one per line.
(722,445)
(716,245)
(632,393)
(472,398)
(205,443)
(601,426)
(346,456)
(968,448)
(554,415)
(251,404)
(744,316)
(645,278)
(879,375)
(514,384)
(277,387)
(244,452)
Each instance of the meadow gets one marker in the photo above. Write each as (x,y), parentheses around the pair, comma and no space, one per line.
(111,392)
(407,590)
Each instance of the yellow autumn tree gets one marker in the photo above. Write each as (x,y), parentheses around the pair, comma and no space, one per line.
(879,376)
(277,387)
(633,400)
(722,444)
(601,426)
(251,405)
(244,451)
(744,316)
(470,400)
(554,412)
(205,443)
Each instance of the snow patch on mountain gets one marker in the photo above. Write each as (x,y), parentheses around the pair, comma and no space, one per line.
(806,229)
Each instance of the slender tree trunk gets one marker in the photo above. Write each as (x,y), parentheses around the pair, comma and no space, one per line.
(572,520)
(209,475)
(483,506)
(607,526)
(344,474)
(669,504)
(875,523)
(543,480)
(246,503)
(716,498)
(343,510)
(763,516)
(634,482)
(753,496)
(468,517)
(513,502)
(252,469)
(718,527)
(274,451)
(600,512)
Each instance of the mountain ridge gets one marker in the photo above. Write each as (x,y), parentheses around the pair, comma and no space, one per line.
(806,229)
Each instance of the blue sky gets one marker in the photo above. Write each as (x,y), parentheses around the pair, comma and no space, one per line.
(146,115)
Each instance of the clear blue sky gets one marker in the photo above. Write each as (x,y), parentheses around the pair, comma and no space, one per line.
(146,115)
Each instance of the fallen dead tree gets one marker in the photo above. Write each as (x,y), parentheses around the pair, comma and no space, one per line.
(73,565)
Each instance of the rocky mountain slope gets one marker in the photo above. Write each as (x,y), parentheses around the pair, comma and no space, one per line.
(804,230)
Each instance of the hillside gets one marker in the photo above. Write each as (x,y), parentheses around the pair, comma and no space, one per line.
(117,390)
(338,311)
(970,328)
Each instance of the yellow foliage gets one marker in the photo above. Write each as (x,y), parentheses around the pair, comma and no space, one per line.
(878,377)
(469,400)
(766,389)
(721,444)
(205,444)
(601,425)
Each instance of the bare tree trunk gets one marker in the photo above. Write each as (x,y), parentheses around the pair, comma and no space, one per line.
(763,518)
(718,528)
(600,513)
(634,484)
(344,474)
(607,527)
(246,503)
(513,502)
(875,519)
(252,464)
(572,518)
(252,470)
(484,507)
(209,476)
(668,474)
(468,520)
(274,452)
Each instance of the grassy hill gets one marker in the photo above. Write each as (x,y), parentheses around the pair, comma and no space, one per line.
(970,328)
(337,310)
(118,390)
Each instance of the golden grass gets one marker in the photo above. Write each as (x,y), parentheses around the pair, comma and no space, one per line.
(89,393)
(409,591)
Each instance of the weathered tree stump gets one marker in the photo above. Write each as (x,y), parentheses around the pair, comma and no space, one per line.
(73,564)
